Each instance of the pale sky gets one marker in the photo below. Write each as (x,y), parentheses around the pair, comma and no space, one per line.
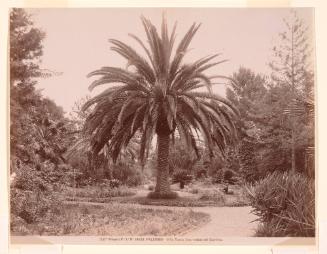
(77,41)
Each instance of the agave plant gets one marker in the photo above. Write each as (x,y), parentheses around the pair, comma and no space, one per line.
(159,97)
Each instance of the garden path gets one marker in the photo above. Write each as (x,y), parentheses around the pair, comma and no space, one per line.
(224,221)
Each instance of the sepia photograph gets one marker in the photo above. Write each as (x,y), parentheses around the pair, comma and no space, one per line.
(162,125)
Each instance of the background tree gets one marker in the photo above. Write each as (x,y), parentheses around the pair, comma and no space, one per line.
(25,47)
(159,96)
(248,97)
(290,65)
(264,130)
(38,128)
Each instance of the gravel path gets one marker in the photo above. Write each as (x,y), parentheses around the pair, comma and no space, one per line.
(226,222)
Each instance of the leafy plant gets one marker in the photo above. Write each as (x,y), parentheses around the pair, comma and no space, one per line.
(182,176)
(225,176)
(127,174)
(285,204)
(114,183)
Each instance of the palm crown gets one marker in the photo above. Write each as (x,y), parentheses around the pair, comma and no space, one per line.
(158,96)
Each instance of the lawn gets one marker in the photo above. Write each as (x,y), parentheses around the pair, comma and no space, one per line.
(196,194)
(114,220)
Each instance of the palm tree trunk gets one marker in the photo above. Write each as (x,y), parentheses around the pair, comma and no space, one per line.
(163,186)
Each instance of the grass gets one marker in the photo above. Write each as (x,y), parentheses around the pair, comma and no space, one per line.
(202,195)
(156,195)
(185,202)
(115,220)
(96,193)
(91,199)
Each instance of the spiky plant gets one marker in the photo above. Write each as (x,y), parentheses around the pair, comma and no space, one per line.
(159,96)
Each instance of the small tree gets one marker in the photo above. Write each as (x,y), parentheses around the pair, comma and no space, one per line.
(290,65)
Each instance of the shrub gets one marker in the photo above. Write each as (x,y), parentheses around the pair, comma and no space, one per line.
(31,196)
(201,173)
(285,204)
(182,176)
(213,195)
(225,176)
(32,206)
(194,191)
(218,177)
(252,176)
(76,178)
(157,195)
(113,183)
(212,165)
(127,175)
(228,174)
(134,179)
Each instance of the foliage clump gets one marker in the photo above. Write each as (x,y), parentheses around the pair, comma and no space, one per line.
(285,204)
(127,174)
(226,176)
(182,176)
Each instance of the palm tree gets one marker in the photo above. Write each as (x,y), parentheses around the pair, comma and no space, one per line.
(158,96)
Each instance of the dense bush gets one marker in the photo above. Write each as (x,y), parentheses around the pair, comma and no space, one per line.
(218,177)
(31,206)
(127,174)
(212,165)
(285,203)
(182,176)
(156,195)
(225,176)
(200,173)
(31,199)
(113,183)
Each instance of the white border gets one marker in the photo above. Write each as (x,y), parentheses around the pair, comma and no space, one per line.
(321,42)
